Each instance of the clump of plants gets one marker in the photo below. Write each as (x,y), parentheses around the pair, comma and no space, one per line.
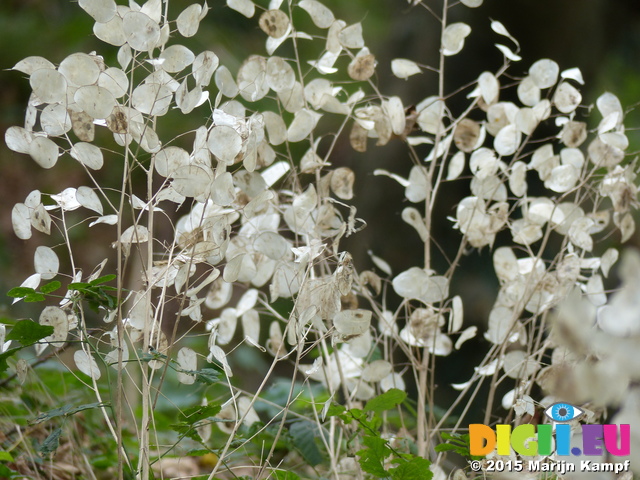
(227,239)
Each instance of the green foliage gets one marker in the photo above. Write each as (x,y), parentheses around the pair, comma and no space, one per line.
(198,413)
(6,472)
(65,411)
(50,287)
(282,475)
(305,438)
(193,417)
(208,376)
(416,468)
(51,443)
(28,332)
(5,355)
(372,458)
(458,443)
(96,294)
(385,401)
(5,457)
(224,208)
(29,295)
(20,292)
(379,454)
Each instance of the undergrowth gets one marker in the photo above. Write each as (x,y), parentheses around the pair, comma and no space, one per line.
(227,255)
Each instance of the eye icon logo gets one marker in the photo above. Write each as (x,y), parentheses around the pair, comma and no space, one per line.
(552,436)
(563,412)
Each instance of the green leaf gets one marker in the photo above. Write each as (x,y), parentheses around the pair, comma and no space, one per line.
(66,411)
(103,279)
(5,456)
(197,413)
(208,376)
(96,295)
(303,435)
(187,430)
(192,415)
(415,469)
(50,287)
(6,472)
(28,332)
(456,443)
(282,475)
(372,459)
(335,410)
(198,452)
(152,355)
(19,292)
(446,447)
(51,443)
(3,358)
(386,401)
(34,297)
(108,288)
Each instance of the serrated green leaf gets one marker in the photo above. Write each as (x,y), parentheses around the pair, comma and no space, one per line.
(304,434)
(372,459)
(197,413)
(19,292)
(28,332)
(357,414)
(186,430)
(415,469)
(386,401)
(3,357)
(334,410)
(461,439)
(456,443)
(50,287)
(446,447)
(51,443)
(103,279)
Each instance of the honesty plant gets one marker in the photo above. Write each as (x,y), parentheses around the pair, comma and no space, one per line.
(258,212)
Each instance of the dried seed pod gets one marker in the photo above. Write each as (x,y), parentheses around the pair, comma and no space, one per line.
(358,137)
(363,66)
(274,23)
(466,135)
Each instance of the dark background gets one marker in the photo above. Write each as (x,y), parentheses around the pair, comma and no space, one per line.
(601,37)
